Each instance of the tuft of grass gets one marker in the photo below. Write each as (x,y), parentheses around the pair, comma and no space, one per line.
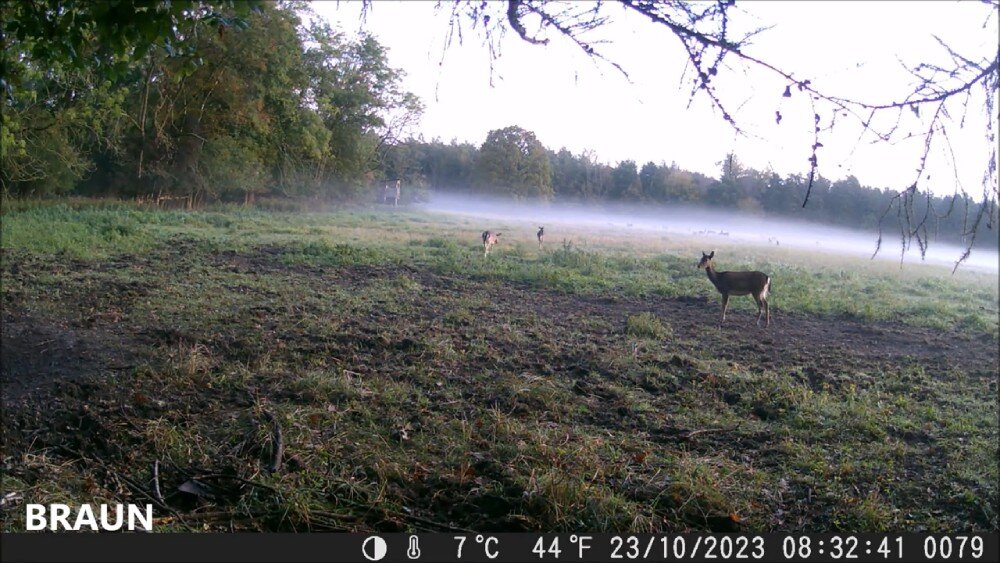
(647,325)
(321,252)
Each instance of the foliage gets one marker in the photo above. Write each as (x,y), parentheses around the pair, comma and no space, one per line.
(108,35)
(513,162)
(50,123)
(263,103)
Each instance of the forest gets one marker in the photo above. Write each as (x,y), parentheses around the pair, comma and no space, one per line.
(219,101)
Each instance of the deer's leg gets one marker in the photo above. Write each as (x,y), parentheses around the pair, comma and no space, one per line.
(767,313)
(725,305)
(760,307)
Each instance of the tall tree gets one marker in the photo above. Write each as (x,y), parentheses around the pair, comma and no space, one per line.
(512,161)
(626,185)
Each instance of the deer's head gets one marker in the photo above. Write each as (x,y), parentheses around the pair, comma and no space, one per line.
(706,259)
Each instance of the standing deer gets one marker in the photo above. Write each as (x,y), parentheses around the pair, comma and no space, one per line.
(541,234)
(489,239)
(757,284)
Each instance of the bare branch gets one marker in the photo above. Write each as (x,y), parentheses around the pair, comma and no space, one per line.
(515,23)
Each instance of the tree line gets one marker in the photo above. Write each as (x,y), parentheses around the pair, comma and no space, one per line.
(513,162)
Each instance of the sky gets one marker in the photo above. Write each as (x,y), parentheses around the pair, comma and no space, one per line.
(852,49)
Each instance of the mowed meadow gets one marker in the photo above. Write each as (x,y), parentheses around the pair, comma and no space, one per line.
(370,370)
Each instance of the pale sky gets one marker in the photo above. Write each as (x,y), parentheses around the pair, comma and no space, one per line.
(851,49)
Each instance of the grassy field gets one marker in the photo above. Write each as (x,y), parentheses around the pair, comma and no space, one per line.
(368,370)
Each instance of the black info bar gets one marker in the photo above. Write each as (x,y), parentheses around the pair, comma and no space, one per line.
(505,547)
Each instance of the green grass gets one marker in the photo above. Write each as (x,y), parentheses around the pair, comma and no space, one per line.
(920,295)
(421,386)
(647,325)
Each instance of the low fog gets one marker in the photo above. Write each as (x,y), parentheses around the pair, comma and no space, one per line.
(714,225)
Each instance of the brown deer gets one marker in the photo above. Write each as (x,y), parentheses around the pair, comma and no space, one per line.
(489,239)
(541,235)
(757,284)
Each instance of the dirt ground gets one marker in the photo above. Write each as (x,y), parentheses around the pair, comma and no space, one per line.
(49,360)
(38,354)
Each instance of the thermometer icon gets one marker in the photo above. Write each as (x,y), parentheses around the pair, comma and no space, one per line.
(413,551)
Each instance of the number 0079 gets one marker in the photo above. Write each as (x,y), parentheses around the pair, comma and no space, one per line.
(947,547)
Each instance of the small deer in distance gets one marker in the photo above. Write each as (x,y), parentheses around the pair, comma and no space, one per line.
(489,239)
(541,235)
(756,284)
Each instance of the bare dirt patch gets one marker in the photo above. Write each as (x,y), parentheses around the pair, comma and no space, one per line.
(38,353)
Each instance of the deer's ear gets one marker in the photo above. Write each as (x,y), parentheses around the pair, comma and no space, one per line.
(712,255)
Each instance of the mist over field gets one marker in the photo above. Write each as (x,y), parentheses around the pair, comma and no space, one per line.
(710,225)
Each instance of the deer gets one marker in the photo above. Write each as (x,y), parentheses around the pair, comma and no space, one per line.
(756,284)
(541,234)
(489,239)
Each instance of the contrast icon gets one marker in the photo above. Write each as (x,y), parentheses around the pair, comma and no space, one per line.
(374,548)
